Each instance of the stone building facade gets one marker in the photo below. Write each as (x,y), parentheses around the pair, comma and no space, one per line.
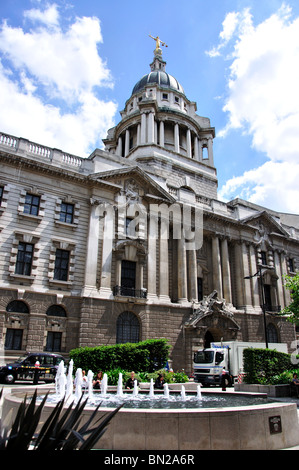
(130,243)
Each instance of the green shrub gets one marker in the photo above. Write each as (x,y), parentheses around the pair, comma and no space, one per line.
(262,365)
(145,356)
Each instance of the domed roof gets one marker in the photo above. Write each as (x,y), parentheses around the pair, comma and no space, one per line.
(158,77)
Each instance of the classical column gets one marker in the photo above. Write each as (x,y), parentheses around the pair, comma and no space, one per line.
(246,273)
(151,128)
(138,133)
(284,271)
(200,152)
(152,259)
(189,146)
(254,280)
(108,236)
(182,272)
(192,275)
(239,281)
(278,270)
(127,142)
(143,129)
(164,273)
(226,279)
(119,149)
(176,138)
(161,134)
(216,262)
(196,149)
(210,151)
(90,282)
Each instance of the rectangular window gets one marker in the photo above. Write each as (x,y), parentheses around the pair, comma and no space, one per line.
(267,294)
(13,339)
(199,289)
(31,205)
(61,265)
(128,277)
(24,259)
(1,193)
(53,341)
(66,213)
(291,265)
(264,257)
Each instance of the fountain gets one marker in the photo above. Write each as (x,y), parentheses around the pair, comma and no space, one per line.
(135,389)
(120,386)
(151,392)
(104,385)
(188,418)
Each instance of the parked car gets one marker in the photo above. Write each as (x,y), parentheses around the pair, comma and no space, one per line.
(25,367)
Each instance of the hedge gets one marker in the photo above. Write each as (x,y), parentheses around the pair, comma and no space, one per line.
(261,365)
(143,356)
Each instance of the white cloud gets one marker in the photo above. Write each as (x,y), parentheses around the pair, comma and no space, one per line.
(52,64)
(263,101)
(49,16)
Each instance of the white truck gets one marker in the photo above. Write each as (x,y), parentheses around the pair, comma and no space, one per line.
(208,363)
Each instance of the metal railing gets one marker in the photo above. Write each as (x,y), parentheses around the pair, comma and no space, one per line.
(130,292)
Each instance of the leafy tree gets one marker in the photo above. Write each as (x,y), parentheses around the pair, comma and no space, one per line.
(292,284)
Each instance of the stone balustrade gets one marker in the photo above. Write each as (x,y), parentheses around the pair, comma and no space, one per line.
(25,148)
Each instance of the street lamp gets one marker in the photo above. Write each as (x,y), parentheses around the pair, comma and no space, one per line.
(259,274)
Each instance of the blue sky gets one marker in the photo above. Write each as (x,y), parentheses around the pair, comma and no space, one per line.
(68,66)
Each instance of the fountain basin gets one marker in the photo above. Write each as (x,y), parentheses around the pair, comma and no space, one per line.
(266,426)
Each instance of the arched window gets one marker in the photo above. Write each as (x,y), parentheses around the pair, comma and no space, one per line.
(17,306)
(56,311)
(127,328)
(272,333)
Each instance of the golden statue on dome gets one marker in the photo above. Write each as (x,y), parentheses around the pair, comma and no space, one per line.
(158,50)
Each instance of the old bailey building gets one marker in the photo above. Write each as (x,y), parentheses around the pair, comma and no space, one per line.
(132,243)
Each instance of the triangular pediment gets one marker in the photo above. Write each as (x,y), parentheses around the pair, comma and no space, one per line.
(264,224)
(136,184)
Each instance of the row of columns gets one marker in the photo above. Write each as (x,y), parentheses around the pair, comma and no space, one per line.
(247,291)
(147,133)
(248,294)
(186,268)
(221,268)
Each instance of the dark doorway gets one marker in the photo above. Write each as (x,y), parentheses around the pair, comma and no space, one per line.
(208,339)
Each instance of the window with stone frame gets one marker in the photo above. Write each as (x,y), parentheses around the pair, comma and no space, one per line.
(291,265)
(24,255)
(4,190)
(13,339)
(62,262)
(53,341)
(127,328)
(61,268)
(24,259)
(67,212)
(17,306)
(32,203)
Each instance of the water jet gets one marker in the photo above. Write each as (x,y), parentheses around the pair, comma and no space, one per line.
(164,420)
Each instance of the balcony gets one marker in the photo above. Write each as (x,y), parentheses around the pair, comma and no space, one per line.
(130,292)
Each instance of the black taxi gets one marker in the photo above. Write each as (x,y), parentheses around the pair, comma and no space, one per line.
(29,366)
